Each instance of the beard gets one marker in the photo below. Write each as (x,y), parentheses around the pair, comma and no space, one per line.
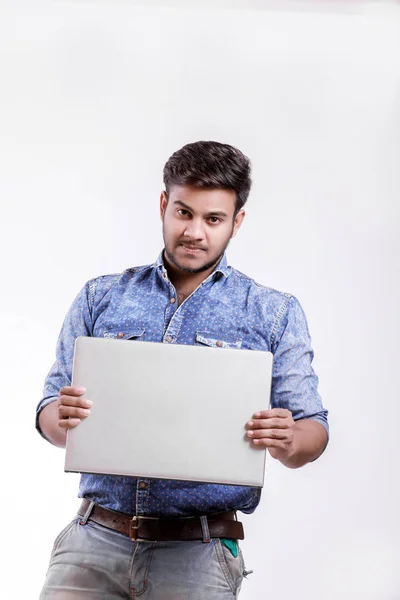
(171,256)
(172,259)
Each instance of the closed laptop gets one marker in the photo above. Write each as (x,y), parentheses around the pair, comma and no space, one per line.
(169,411)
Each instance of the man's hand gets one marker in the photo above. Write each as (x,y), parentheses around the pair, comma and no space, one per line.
(273,429)
(294,443)
(72,406)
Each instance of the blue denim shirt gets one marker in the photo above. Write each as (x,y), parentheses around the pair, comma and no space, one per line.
(227,307)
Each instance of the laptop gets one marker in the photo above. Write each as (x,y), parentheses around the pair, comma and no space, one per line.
(169,411)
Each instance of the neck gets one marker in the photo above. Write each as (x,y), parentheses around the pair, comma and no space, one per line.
(181,280)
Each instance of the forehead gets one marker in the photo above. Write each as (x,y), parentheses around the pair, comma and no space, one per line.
(203,200)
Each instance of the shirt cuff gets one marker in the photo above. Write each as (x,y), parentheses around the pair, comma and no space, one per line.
(39,409)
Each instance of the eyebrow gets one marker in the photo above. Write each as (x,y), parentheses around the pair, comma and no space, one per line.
(215,213)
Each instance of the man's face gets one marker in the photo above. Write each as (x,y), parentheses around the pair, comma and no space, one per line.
(197,226)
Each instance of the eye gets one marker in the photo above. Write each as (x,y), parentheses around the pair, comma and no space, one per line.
(214,220)
(183,212)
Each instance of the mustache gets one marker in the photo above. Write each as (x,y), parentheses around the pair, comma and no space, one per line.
(191,246)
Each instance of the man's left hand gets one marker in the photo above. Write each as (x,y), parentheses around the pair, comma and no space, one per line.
(273,429)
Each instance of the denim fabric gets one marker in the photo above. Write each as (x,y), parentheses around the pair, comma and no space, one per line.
(227,310)
(93,562)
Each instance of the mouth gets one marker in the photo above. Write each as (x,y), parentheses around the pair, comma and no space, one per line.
(192,249)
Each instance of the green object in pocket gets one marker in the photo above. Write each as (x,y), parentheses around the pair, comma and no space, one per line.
(232,545)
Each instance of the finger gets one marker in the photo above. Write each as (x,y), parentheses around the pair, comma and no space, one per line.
(72,390)
(74,401)
(270,443)
(65,412)
(275,434)
(272,423)
(69,423)
(272,412)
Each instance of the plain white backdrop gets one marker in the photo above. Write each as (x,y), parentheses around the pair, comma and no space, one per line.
(94,97)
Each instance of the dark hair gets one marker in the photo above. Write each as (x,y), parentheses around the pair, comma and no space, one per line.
(210,165)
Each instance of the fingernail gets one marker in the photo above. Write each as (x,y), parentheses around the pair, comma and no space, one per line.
(250,433)
(250,423)
(86,412)
(257,415)
(81,390)
(88,403)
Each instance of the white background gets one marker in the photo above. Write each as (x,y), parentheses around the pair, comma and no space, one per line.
(94,98)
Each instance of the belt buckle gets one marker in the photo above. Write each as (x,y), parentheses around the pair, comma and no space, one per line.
(134,527)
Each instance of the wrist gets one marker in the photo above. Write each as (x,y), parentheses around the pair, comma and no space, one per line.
(309,441)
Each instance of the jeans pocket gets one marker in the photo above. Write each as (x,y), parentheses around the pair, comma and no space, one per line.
(62,534)
(59,539)
(231,567)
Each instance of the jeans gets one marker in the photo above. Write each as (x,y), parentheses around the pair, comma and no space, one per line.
(93,562)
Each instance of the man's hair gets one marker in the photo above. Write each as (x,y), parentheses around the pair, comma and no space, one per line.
(210,165)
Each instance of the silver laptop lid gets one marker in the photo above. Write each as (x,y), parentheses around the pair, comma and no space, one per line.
(169,411)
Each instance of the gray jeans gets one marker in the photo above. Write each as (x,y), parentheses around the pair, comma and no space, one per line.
(92,562)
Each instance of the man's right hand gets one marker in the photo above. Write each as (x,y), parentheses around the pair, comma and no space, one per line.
(72,406)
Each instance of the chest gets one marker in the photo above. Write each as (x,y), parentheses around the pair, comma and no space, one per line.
(179,317)
(182,295)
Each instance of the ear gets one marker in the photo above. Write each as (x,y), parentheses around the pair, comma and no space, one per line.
(163,204)
(237,222)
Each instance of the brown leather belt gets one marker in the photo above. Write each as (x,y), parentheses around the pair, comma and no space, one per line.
(147,529)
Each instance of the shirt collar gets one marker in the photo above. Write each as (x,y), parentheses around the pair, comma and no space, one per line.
(222,266)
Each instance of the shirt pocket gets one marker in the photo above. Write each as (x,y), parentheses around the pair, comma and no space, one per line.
(214,340)
(133,332)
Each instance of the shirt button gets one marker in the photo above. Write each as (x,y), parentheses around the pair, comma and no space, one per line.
(172,300)
(168,338)
(120,335)
(142,485)
(219,344)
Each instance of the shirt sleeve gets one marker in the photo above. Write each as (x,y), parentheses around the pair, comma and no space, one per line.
(294,382)
(77,322)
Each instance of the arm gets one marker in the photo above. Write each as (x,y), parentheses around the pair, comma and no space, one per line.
(64,413)
(295,430)
(49,412)
(309,442)
(48,425)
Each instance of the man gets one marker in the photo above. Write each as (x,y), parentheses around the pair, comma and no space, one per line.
(188,290)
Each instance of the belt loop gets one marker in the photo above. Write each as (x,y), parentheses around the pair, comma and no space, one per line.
(205,529)
(87,514)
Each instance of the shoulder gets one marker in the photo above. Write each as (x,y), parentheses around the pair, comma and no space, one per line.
(103,284)
(260,291)
(275,308)
(99,286)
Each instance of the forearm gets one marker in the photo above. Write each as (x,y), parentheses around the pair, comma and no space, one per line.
(48,422)
(309,441)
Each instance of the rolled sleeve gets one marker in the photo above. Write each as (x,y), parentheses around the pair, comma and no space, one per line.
(77,322)
(294,382)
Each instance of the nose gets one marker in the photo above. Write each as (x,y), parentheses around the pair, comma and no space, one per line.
(194,230)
